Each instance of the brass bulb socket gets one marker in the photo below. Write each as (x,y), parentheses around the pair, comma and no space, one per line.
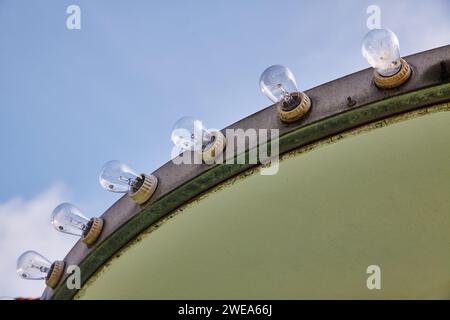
(212,151)
(298,112)
(56,273)
(395,80)
(94,231)
(146,190)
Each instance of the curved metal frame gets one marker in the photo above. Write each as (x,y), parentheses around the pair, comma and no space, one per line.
(338,106)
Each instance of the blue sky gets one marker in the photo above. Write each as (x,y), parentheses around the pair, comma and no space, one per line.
(71,100)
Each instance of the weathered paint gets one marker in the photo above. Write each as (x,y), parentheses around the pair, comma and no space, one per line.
(421,221)
(125,221)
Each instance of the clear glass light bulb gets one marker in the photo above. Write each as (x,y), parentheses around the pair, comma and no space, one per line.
(278,83)
(118,177)
(189,134)
(32,265)
(69,219)
(381,49)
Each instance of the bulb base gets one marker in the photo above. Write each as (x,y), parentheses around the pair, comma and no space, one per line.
(298,112)
(146,190)
(395,80)
(214,149)
(94,231)
(55,274)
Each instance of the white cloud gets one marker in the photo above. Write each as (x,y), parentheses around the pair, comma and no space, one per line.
(25,225)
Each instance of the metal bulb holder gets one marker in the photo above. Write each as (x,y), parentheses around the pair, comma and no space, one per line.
(146,190)
(395,80)
(55,274)
(94,231)
(298,112)
(215,148)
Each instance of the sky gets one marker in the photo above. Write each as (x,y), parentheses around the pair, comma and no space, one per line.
(71,100)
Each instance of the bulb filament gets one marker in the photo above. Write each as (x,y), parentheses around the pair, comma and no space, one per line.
(44,269)
(131,182)
(77,223)
(286,97)
(40,268)
(207,138)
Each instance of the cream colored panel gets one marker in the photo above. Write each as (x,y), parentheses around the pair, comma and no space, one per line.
(378,198)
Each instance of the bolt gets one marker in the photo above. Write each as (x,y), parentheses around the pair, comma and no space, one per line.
(350,102)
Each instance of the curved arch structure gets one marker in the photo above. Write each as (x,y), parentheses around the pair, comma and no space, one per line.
(349,105)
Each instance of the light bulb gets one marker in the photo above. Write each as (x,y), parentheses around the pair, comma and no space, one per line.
(278,84)
(380,47)
(33,266)
(7,298)
(69,219)
(118,177)
(189,134)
